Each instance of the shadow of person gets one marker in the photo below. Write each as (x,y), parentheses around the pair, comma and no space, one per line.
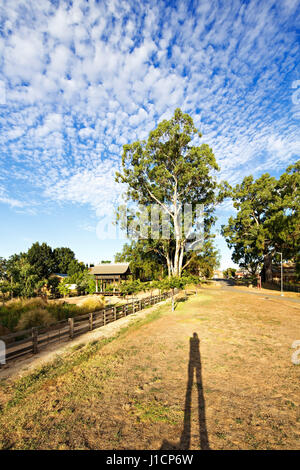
(194,369)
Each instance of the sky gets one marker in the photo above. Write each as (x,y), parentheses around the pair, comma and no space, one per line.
(80,79)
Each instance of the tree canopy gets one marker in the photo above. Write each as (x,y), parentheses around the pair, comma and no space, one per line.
(170,171)
(25,274)
(267,220)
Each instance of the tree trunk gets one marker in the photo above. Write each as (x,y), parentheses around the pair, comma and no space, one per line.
(177,230)
(169,265)
(268,268)
(176,258)
(181,258)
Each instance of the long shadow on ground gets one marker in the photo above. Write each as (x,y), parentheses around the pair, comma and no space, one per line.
(194,368)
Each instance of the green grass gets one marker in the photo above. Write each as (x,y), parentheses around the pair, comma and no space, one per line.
(153,411)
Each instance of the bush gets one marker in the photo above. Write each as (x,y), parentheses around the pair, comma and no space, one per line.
(62,311)
(11,312)
(36,317)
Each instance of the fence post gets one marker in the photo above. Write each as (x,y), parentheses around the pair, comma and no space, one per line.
(71,325)
(140,304)
(34,335)
(104,317)
(115,313)
(91,321)
(133,306)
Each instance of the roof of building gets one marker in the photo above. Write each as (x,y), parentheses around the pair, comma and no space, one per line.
(59,275)
(110,268)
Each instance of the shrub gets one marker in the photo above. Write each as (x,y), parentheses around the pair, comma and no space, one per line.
(36,317)
(11,312)
(61,311)
(24,305)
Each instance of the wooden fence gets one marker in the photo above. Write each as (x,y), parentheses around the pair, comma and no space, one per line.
(34,340)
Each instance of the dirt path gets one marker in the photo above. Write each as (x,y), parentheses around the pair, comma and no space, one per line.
(217,373)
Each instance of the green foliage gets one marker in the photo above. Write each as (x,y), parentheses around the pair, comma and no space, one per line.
(203,262)
(3,267)
(145,263)
(25,282)
(40,258)
(85,283)
(169,171)
(63,257)
(267,220)
(75,267)
(26,274)
(52,285)
(5,288)
(229,273)
(63,287)
(130,287)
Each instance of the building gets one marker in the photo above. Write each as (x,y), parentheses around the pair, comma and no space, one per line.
(108,273)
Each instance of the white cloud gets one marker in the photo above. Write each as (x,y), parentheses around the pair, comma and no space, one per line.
(84,79)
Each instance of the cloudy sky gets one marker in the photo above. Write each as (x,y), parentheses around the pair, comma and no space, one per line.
(80,79)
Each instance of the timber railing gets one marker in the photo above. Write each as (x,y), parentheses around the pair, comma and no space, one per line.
(36,339)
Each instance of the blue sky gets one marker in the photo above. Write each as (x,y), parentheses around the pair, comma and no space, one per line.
(80,79)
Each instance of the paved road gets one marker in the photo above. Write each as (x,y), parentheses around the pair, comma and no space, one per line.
(228,285)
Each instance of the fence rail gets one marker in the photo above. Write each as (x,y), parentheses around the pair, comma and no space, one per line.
(36,339)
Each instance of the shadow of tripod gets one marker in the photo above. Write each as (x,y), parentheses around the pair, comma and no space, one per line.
(194,368)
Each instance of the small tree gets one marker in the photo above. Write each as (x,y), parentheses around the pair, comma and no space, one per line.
(63,287)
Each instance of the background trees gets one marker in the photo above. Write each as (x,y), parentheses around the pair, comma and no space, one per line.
(41,258)
(267,220)
(29,274)
(229,273)
(62,257)
(145,262)
(170,171)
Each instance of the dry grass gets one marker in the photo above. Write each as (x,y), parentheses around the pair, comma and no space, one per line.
(130,392)
(92,303)
(36,317)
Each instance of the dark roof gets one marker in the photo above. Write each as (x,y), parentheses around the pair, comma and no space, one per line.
(59,275)
(109,268)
